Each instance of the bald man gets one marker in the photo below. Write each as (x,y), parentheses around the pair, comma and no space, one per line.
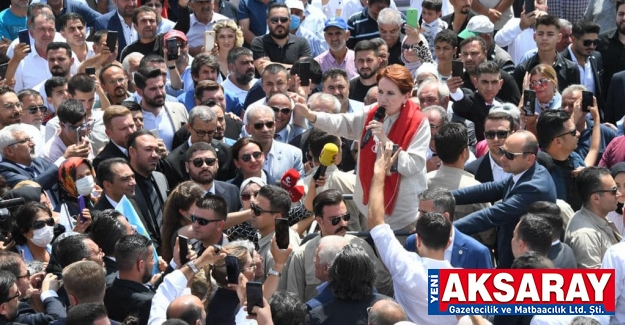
(386,312)
(188,308)
(530,182)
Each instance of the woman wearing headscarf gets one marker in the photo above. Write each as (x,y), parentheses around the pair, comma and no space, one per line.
(78,193)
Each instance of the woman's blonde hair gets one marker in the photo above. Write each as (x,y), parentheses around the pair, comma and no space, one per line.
(547,71)
(218,270)
(238,34)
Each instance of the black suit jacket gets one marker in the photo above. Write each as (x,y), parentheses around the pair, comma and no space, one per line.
(109,151)
(110,21)
(473,107)
(509,92)
(112,271)
(614,108)
(596,63)
(567,71)
(47,175)
(481,169)
(54,310)
(173,166)
(562,256)
(151,222)
(125,297)
(230,193)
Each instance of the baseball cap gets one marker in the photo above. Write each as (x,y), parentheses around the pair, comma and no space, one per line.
(337,22)
(176,33)
(477,25)
(295,4)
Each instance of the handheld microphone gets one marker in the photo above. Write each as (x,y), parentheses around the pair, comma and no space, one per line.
(379,116)
(289,183)
(326,158)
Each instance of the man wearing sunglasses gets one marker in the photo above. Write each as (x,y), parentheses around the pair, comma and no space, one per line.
(33,112)
(208,219)
(71,140)
(589,232)
(282,107)
(9,297)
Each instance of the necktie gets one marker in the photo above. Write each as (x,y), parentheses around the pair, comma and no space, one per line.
(615,231)
(30,170)
(488,107)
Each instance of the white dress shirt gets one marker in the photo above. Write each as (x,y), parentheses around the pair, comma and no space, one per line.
(498,172)
(234,89)
(162,123)
(518,41)
(197,29)
(130,34)
(174,285)
(586,77)
(614,258)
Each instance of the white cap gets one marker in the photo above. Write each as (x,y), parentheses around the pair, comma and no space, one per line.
(477,25)
(295,4)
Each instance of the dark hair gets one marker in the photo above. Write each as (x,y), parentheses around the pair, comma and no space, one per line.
(287,309)
(97,36)
(106,230)
(130,248)
(71,16)
(24,218)
(583,26)
(203,59)
(132,105)
(434,230)
(550,124)
(334,73)
(205,85)
(132,139)
(548,20)
(85,314)
(535,232)
(501,116)
(72,249)
(143,63)
(488,67)
(7,280)
(105,170)
(441,198)
(71,111)
(11,262)
(242,142)
(619,3)
(436,5)
(143,74)
(318,139)
(551,213)
(326,198)
(81,82)
(366,45)
(214,202)
(106,67)
(137,11)
(27,92)
(474,39)
(235,53)
(36,6)
(58,46)
(372,2)
(6,89)
(589,182)
(275,68)
(315,72)
(199,146)
(451,140)
(277,5)
(352,274)
(532,260)
(175,321)
(52,83)
(279,199)
(448,36)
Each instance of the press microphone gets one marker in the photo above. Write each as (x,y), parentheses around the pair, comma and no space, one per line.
(11,203)
(379,116)
(289,183)
(326,158)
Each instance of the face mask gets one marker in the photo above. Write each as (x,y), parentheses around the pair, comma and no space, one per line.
(84,186)
(42,237)
(295,22)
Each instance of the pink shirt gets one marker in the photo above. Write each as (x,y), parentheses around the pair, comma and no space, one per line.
(327,62)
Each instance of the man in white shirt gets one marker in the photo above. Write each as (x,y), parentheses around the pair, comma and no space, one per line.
(202,19)
(74,31)
(70,140)
(240,72)
(33,69)
(60,61)
(614,258)
(518,33)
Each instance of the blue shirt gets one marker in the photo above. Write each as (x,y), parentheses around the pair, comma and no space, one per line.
(78,7)
(10,24)
(317,45)
(256,12)
(583,145)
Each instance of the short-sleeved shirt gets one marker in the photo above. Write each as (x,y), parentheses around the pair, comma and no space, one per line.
(10,24)
(197,29)
(295,48)
(256,12)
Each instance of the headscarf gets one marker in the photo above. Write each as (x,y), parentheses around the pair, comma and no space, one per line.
(67,178)
(255,180)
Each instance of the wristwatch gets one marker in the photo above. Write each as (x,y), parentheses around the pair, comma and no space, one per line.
(274,272)
(193,267)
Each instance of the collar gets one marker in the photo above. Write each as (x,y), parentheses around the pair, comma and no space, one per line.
(121,20)
(322,287)
(594,218)
(556,242)
(212,190)
(493,164)
(111,201)
(269,39)
(122,149)
(614,35)
(515,178)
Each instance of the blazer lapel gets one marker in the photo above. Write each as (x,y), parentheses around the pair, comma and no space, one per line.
(459,252)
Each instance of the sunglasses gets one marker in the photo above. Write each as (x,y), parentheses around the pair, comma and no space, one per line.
(259,125)
(247,196)
(199,162)
(284,111)
(74,128)
(39,224)
(613,190)
(589,42)
(283,20)
(499,134)
(34,109)
(247,157)
(258,210)
(539,83)
(572,133)
(335,220)
(408,47)
(511,155)
(202,221)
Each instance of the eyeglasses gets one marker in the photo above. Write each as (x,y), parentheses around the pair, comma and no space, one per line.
(283,20)
(259,125)
(589,42)
(114,82)
(12,106)
(408,47)
(613,190)
(572,133)
(247,196)
(202,221)
(247,157)
(74,128)
(284,111)
(499,134)
(34,109)
(335,220)
(27,275)
(199,162)
(202,134)
(29,139)
(17,294)
(511,155)
(539,83)
(258,210)
(39,224)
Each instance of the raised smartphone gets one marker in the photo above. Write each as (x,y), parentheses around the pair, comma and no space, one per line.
(183,248)
(529,100)
(209,40)
(457,68)
(111,40)
(304,73)
(529,6)
(412,17)
(587,100)
(254,291)
(172,48)
(232,269)
(282,233)
(90,70)
(24,37)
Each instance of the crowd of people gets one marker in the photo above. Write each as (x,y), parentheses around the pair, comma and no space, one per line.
(295,162)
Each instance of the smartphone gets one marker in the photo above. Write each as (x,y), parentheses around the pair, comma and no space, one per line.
(457,68)
(111,40)
(304,73)
(529,6)
(587,100)
(90,70)
(412,17)
(172,48)
(529,100)
(3,70)
(183,248)
(209,40)
(232,269)
(254,291)
(24,37)
(394,167)
(282,233)
(81,206)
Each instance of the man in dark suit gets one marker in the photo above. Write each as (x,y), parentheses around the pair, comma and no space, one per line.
(464,251)
(128,294)
(201,164)
(530,182)
(107,228)
(497,127)
(532,233)
(116,179)
(560,253)
(111,21)
(118,125)
(614,110)
(208,217)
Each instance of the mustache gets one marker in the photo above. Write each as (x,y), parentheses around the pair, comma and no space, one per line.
(340,229)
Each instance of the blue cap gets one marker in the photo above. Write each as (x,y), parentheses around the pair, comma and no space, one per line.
(337,22)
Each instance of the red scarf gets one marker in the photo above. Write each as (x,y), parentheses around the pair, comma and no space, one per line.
(402,132)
